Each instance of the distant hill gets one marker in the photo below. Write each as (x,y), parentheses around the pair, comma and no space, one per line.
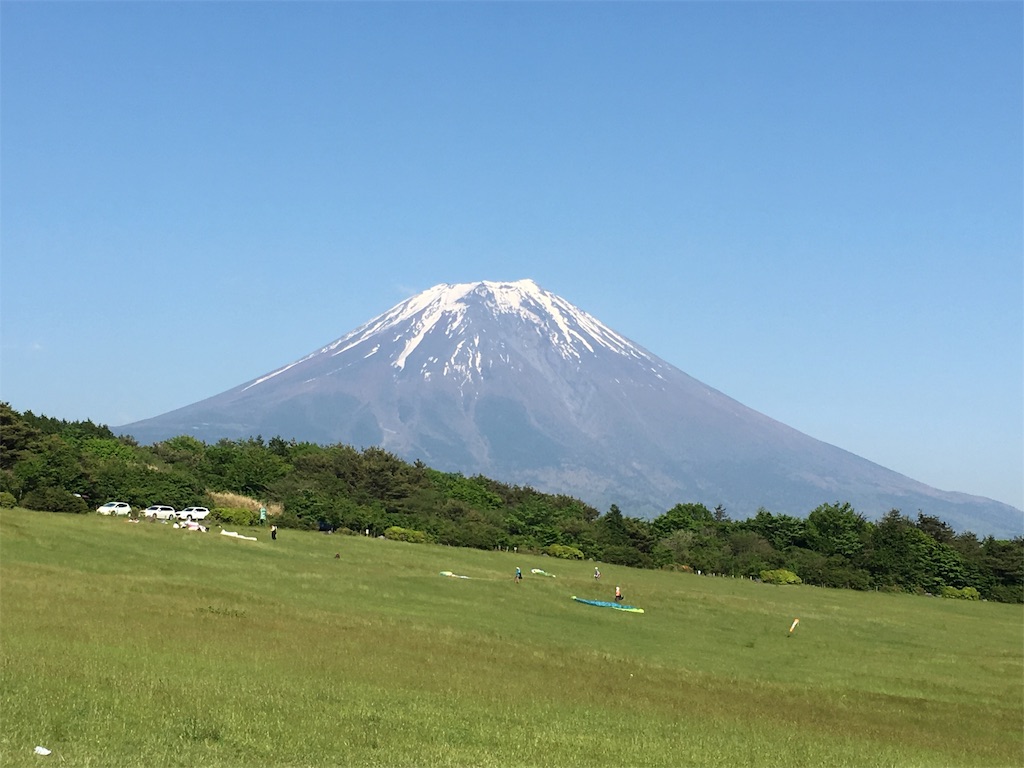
(510,381)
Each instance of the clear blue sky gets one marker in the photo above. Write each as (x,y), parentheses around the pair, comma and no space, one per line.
(815,208)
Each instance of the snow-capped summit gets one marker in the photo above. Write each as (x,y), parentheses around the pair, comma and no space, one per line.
(446,320)
(508,380)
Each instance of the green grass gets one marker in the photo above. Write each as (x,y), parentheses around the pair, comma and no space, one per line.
(126,645)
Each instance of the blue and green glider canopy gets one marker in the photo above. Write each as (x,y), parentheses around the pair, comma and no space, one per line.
(606,604)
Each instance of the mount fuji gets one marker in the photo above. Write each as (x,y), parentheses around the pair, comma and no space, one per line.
(508,380)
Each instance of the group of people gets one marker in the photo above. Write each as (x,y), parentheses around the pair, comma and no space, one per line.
(597,577)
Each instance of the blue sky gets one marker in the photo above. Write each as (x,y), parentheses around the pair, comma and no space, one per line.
(815,208)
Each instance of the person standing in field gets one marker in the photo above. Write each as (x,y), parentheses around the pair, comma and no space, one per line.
(597,574)
(263,515)
(273,532)
(519,575)
(618,595)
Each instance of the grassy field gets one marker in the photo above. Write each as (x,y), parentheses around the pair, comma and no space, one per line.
(141,645)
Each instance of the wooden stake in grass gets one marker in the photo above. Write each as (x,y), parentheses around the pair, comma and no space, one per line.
(792,627)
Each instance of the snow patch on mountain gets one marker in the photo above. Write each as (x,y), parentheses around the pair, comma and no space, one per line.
(275,373)
(573,333)
(443,308)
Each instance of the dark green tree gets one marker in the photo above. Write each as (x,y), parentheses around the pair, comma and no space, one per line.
(935,528)
(683,517)
(16,437)
(836,529)
(781,531)
(612,527)
(749,553)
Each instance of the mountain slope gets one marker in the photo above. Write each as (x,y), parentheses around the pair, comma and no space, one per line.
(513,382)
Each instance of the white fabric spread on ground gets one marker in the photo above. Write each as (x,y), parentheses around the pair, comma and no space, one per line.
(237,535)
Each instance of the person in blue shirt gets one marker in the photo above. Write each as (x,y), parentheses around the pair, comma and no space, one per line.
(519,575)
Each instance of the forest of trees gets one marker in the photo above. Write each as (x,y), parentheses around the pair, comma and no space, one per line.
(59,466)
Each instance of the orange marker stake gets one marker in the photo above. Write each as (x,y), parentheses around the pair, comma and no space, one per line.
(793,626)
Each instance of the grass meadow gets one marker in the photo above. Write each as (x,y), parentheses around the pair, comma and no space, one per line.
(141,645)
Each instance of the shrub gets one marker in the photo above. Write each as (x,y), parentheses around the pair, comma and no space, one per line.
(54,500)
(405,534)
(7,500)
(234,515)
(1006,593)
(967,593)
(780,576)
(562,551)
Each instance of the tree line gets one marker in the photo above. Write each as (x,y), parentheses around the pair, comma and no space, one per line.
(61,466)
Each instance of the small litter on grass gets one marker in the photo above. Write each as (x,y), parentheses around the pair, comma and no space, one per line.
(451,575)
(539,572)
(42,751)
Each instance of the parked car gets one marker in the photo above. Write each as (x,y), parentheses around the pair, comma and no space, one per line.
(118,508)
(193,513)
(160,512)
